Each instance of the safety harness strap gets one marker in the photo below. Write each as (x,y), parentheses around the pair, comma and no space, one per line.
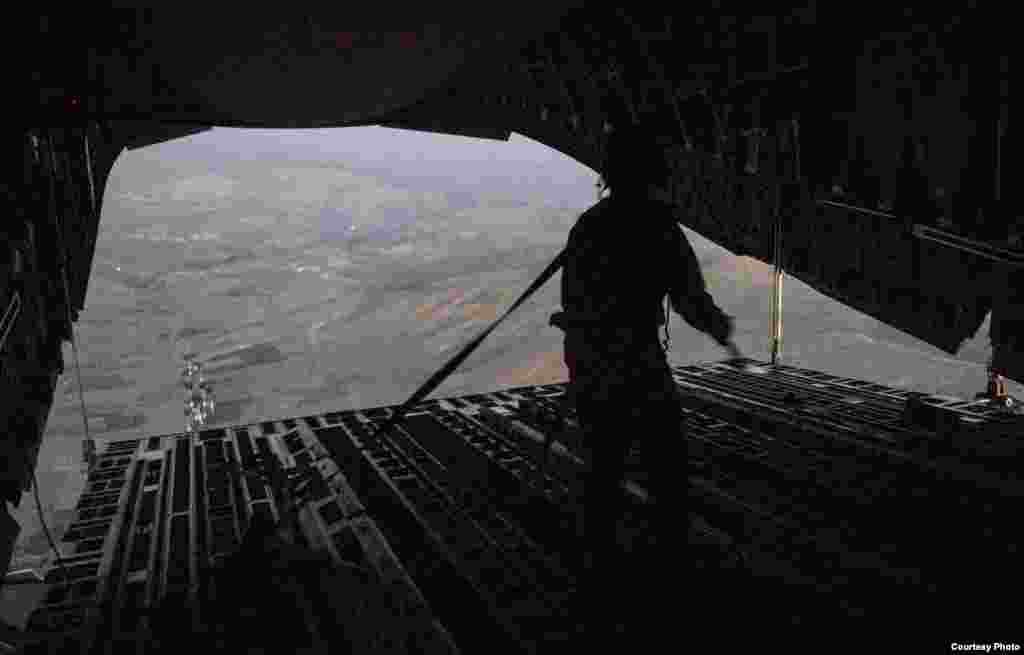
(449,368)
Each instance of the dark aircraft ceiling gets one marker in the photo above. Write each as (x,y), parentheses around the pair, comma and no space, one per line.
(901,118)
(270,68)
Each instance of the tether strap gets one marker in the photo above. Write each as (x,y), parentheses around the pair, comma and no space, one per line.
(449,368)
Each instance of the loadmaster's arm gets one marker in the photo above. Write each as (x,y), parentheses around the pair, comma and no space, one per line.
(689,296)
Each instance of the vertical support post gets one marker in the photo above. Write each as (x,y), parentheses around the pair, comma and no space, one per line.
(88,444)
(88,169)
(776,309)
(777,236)
(999,129)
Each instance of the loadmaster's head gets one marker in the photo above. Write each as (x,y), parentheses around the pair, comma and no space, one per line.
(634,160)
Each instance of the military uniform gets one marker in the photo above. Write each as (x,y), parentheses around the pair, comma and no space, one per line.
(625,255)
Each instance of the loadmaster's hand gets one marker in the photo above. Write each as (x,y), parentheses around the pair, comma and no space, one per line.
(722,329)
(734,351)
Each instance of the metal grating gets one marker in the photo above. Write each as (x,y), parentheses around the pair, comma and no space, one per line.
(457,502)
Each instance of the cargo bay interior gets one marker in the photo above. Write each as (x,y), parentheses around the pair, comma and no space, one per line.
(865,159)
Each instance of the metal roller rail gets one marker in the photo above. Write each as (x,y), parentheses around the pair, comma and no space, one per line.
(833,404)
(882,409)
(790,530)
(866,389)
(499,451)
(924,569)
(808,520)
(482,433)
(818,539)
(471,444)
(812,504)
(816,434)
(853,580)
(763,538)
(829,434)
(743,387)
(550,524)
(806,431)
(470,549)
(419,526)
(866,528)
(776,385)
(527,440)
(811,474)
(523,553)
(906,469)
(837,498)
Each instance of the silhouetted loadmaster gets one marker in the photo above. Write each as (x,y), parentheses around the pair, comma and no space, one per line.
(625,255)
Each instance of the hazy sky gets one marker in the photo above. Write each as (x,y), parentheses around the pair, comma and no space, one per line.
(445,159)
(378,144)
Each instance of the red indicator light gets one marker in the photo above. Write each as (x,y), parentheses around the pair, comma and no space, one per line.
(409,39)
(344,40)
